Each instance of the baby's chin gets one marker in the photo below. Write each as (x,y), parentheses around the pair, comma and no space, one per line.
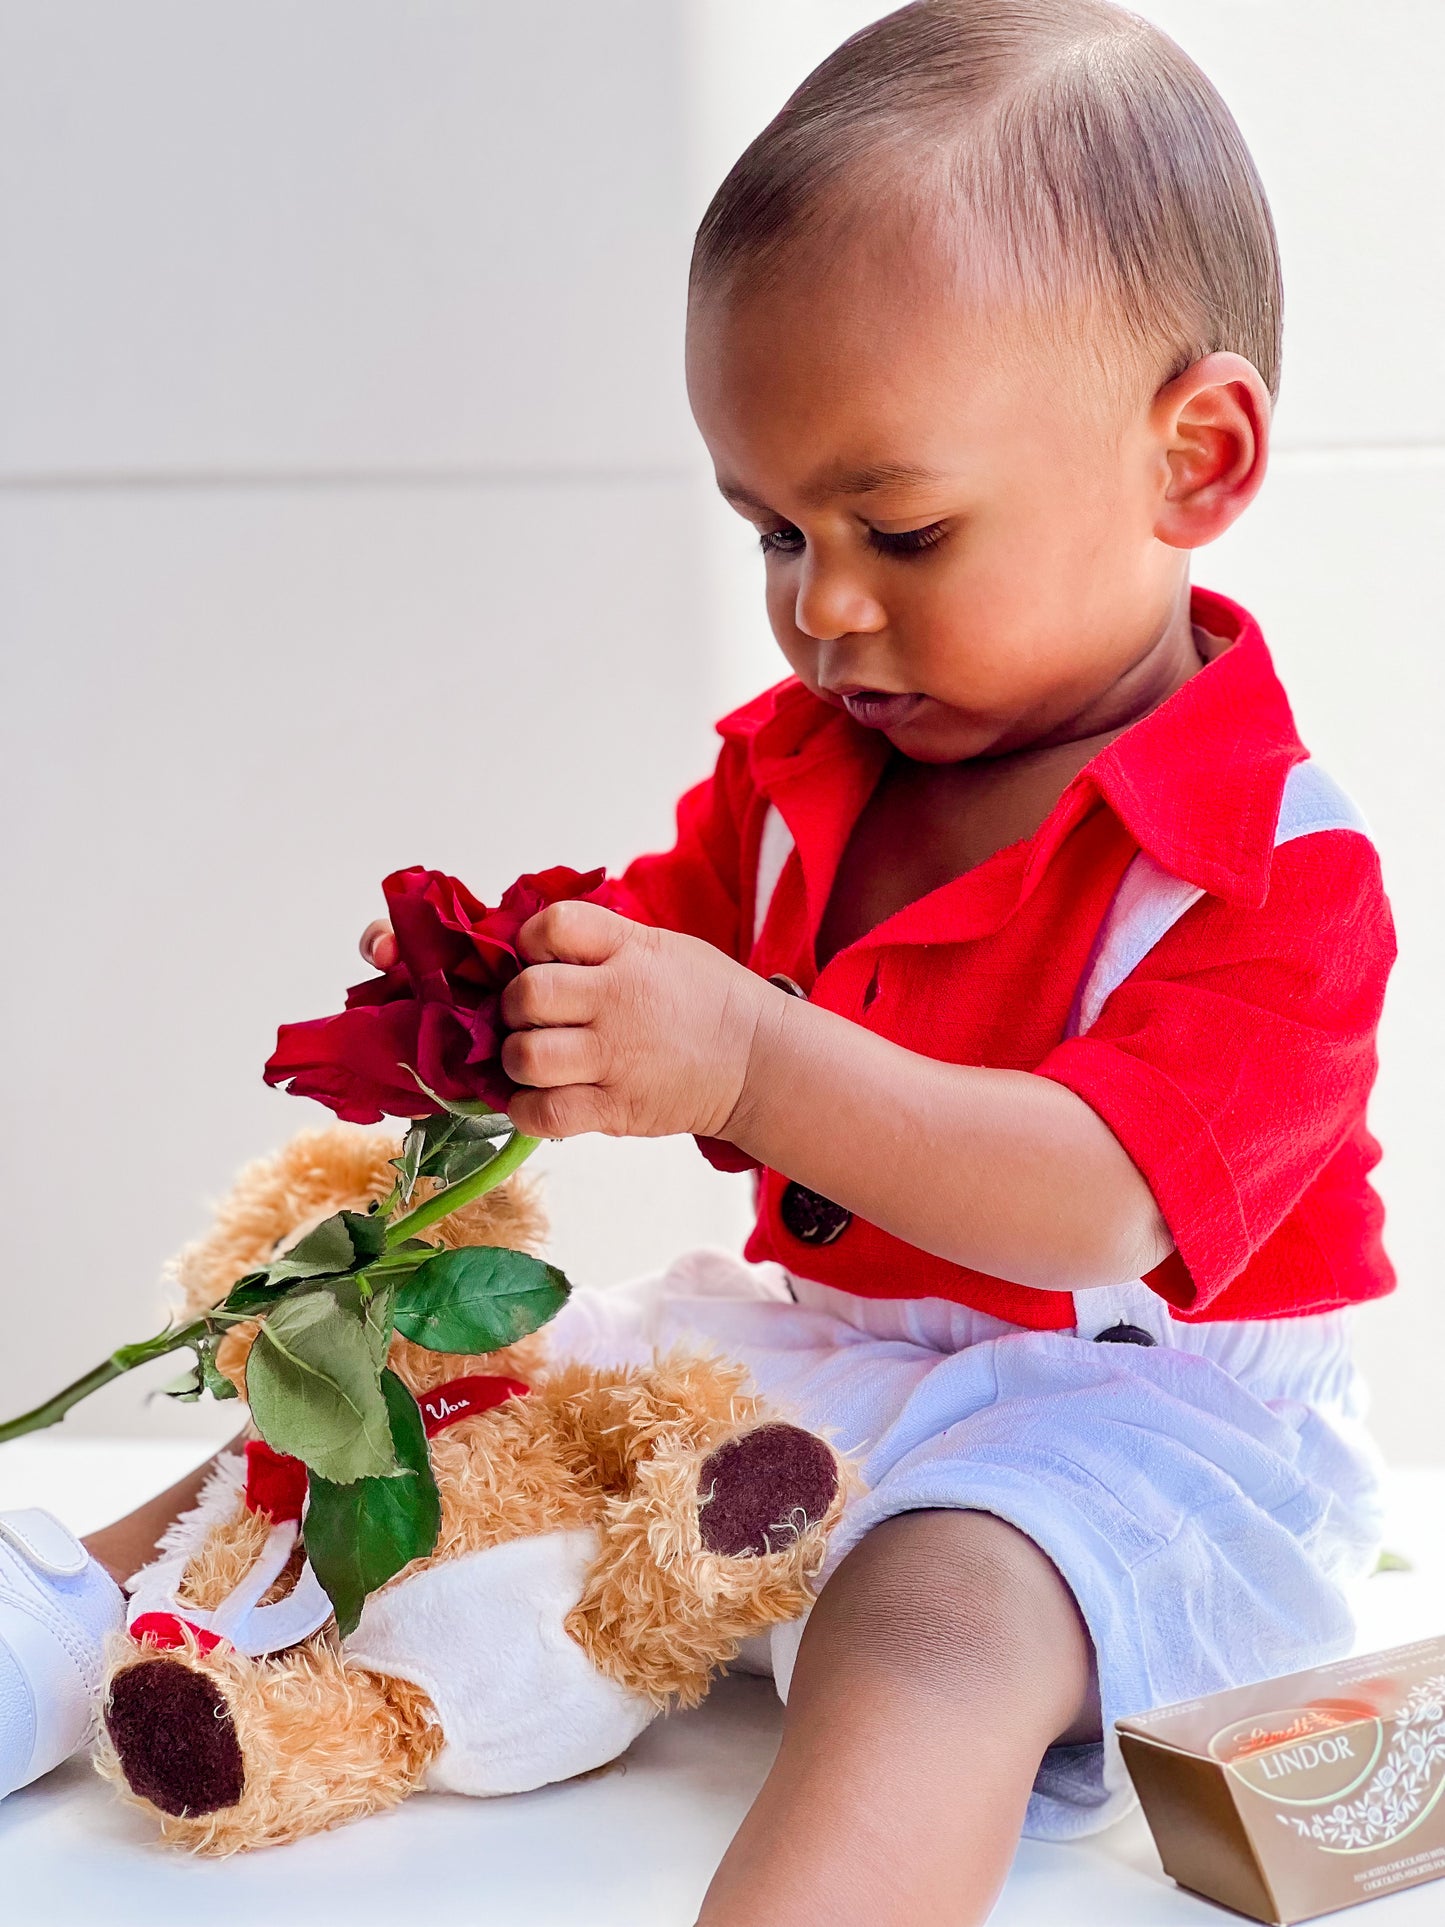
(937,734)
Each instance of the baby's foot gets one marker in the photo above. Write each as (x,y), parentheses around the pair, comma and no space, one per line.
(57,1607)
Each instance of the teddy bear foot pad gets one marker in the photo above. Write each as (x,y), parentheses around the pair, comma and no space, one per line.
(761,1490)
(175,1739)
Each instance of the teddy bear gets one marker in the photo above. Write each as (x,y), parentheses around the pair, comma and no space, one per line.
(608,1540)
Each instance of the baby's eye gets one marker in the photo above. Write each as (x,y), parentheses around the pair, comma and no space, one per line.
(785,540)
(907,541)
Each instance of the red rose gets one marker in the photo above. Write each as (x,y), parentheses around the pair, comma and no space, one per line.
(436,1012)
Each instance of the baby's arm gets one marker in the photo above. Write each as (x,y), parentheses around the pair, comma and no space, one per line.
(634,1031)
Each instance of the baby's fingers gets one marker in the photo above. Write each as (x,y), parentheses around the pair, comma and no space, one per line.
(567,1112)
(378,944)
(547,1059)
(551,994)
(575,933)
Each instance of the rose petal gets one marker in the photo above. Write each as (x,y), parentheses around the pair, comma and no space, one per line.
(437,1011)
(352,1063)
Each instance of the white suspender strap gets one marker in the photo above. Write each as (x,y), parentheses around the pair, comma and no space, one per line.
(1314,801)
(774,849)
(1146,906)
(1150,901)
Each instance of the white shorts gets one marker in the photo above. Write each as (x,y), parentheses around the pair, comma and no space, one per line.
(1206,1499)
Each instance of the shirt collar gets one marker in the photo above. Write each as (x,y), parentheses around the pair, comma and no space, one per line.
(1198,783)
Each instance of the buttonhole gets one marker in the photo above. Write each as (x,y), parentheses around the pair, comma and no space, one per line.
(874,986)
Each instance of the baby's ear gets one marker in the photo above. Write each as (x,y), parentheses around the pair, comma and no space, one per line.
(1212,427)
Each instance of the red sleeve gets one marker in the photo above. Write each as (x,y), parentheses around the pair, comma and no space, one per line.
(699,885)
(1237,1059)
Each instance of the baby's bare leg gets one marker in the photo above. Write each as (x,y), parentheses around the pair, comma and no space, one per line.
(941,1660)
(130,1543)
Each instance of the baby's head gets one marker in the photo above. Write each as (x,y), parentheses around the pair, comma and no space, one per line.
(983,335)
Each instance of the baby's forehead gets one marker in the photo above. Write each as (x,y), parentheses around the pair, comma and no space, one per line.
(898,301)
(809,403)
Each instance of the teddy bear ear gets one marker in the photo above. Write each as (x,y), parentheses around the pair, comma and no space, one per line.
(274,1200)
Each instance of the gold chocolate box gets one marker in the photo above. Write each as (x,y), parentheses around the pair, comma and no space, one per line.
(1301,1795)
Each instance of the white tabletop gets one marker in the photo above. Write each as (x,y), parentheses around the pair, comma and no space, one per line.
(631,1847)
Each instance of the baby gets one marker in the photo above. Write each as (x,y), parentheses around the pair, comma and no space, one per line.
(1015,942)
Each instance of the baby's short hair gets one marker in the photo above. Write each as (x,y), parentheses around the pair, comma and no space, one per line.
(1074,139)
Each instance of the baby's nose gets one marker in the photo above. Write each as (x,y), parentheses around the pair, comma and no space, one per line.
(832,603)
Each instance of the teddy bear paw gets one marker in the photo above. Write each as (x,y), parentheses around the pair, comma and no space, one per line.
(174,1738)
(761,1491)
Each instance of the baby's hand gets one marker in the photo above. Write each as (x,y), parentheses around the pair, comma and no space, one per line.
(620,1028)
(378,944)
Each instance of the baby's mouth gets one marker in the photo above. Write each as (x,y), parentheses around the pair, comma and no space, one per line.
(877,709)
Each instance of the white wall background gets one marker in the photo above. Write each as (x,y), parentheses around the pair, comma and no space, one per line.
(350,516)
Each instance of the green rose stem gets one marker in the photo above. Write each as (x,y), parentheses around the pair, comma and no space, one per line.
(116,1366)
(514,1152)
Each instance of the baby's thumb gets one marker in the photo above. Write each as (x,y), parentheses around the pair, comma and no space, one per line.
(378,944)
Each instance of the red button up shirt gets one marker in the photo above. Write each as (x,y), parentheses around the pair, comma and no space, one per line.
(1233,1065)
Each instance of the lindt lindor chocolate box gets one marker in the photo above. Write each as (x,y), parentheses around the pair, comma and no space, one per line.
(1298,1796)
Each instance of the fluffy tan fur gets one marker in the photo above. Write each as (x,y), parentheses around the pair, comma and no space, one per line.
(618,1451)
(223,1561)
(323,1743)
(659,1613)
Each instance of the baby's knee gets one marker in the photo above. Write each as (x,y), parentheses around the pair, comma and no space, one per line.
(946,1602)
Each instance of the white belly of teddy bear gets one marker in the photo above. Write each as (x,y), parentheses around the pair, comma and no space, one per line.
(520,1703)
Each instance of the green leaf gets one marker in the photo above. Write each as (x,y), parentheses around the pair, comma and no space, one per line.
(216,1382)
(360,1535)
(455,1107)
(446,1131)
(413,1150)
(1393,1562)
(339,1244)
(399,1262)
(376,1304)
(470,1147)
(254,1294)
(461,1157)
(448,1147)
(186,1389)
(312,1381)
(478,1299)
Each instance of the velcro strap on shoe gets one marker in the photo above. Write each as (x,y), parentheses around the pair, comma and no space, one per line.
(44,1543)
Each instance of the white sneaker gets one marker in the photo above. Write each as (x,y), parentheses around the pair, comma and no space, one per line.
(56,1608)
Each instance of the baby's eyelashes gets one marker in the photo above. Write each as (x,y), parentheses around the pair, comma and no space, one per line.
(781,541)
(907,541)
(899,543)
